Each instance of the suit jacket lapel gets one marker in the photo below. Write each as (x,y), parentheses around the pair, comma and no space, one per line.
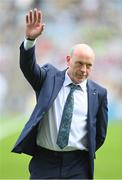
(92,96)
(58,82)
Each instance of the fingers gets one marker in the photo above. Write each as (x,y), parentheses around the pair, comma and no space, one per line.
(33,17)
(27,20)
(39,17)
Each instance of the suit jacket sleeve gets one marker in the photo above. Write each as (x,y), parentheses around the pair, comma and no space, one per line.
(31,70)
(102,121)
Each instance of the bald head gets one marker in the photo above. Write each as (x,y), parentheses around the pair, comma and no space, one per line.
(80,62)
(83,51)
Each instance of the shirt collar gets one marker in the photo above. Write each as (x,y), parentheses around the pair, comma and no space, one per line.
(68,81)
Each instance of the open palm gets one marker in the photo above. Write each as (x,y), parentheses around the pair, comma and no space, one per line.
(34,25)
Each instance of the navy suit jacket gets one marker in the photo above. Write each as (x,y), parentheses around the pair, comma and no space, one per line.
(47,82)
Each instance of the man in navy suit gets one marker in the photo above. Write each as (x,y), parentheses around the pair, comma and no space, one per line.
(88,123)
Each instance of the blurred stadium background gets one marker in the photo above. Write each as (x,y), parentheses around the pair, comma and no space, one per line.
(96,22)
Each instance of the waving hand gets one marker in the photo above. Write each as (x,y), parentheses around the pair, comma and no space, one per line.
(34,24)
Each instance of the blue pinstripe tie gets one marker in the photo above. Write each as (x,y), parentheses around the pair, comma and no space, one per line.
(64,129)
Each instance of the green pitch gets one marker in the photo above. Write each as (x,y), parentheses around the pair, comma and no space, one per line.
(108,163)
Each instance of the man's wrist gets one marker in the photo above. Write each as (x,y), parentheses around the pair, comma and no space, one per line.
(29,43)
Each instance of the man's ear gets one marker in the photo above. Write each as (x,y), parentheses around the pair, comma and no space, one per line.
(68,60)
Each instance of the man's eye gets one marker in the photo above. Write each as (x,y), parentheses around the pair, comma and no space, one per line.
(88,65)
(80,64)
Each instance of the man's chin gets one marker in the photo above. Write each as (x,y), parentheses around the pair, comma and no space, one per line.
(78,81)
(81,79)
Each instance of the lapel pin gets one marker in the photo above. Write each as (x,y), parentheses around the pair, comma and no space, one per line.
(94,92)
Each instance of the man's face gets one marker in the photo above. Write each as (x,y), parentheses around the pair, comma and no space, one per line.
(79,67)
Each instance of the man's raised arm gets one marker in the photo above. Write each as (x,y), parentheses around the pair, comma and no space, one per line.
(31,70)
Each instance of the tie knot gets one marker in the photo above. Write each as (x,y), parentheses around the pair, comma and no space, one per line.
(74,87)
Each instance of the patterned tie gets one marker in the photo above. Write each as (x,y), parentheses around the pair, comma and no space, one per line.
(63,135)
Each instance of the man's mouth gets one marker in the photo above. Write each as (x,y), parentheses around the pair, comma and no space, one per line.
(81,75)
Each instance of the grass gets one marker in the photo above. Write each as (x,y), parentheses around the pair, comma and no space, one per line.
(12,166)
(108,163)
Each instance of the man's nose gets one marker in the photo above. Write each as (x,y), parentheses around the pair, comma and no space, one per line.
(83,68)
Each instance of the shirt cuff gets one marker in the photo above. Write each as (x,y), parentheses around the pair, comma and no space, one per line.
(28,44)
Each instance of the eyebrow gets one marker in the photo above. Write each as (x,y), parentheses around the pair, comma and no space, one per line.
(84,63)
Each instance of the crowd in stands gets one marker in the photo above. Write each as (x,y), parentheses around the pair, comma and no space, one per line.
(67,22)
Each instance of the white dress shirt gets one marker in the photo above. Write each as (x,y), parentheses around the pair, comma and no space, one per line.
(49,126)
